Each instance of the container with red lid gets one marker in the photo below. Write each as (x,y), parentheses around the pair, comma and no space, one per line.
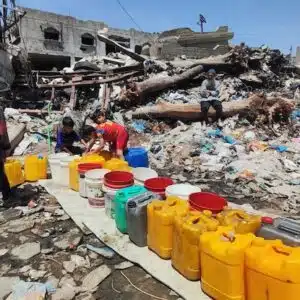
(118,179)
(158,185)
(207,201)
(82,169)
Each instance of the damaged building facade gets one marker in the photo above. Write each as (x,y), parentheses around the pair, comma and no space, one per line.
(54,40)
(184,41)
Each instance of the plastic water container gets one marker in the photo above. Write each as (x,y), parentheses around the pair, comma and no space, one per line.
(160,216)
(158,185)
(35,167)
(207,201)
(93,183)
(143,174)
(109,196)
(136,213)
(183,190)
(241,221)
(64,169)
(186,235)
(137,157)
(121,198)
(73,168)
(118,179)
(82,169)
(54,163)
(13,171)
(222,263)
(73,174)
(272,272)
(286,230)
(115,164)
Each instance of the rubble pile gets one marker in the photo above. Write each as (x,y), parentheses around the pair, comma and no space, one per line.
(43,255)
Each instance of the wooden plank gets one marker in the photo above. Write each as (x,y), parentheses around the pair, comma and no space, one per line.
(127,51)
(91,82)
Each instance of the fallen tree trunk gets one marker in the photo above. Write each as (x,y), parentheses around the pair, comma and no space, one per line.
(158,83)
(190,112)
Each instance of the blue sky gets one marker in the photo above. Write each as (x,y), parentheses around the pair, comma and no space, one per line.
(272,22)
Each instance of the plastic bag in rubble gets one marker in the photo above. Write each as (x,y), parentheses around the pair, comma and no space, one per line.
(289,165)
(31,290)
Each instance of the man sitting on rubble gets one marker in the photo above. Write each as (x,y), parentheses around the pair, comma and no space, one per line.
(209,92)
(107,132)
(66,137)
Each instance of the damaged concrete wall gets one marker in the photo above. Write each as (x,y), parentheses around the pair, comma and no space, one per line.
(7,74)
(76,38)
(298,56)
(184,41)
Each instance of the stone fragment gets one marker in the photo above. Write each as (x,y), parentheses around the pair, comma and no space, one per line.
(94,278)
(68,240)
(80,261)
(6,285)
(69,266)
(65,293)
(124,265)
(85,296)
(26,251)
(17,226)
(37,274)
(10,214)
(3,252)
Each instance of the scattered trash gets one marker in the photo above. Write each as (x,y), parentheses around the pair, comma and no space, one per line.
(279,148)
(105,251)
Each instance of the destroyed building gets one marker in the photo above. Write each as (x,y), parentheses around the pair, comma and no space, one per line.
(184,41)
(54,40)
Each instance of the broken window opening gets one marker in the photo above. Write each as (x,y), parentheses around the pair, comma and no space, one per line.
(87,39)
(138,49)
(51,33)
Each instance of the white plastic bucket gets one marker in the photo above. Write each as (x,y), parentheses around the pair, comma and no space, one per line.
(54,163)
(182,190)
(143,174)
(64,169)
(93,186)
(109,195)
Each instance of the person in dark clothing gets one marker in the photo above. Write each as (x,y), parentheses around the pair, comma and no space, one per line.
(66,137)
(4,146)
(209,93)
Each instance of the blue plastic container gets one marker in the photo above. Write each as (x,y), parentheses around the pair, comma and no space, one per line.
(137,157)
(121,199)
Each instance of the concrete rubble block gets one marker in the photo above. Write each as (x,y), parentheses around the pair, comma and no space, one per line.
(124,265)
(17,226)
(3,252)
(66,280)
(68,240)
(85,296)
(6,285)
(37,274)
(64,293)
(69,266)
(80,261)
(10,214)
(26,251)
(94,278)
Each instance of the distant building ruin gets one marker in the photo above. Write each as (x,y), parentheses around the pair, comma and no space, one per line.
(298,56)
(54,40)
(184,41)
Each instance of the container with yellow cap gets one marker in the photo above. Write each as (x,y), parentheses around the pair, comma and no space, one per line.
(272,272)
(160,224)
(186,235)
(241,221)
(222,263)
(35,167)
(116,164)
(13,171)
(73,168)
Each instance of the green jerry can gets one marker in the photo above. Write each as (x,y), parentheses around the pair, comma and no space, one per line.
(121,198)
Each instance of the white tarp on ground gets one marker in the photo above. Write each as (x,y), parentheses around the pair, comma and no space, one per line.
(104,228)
